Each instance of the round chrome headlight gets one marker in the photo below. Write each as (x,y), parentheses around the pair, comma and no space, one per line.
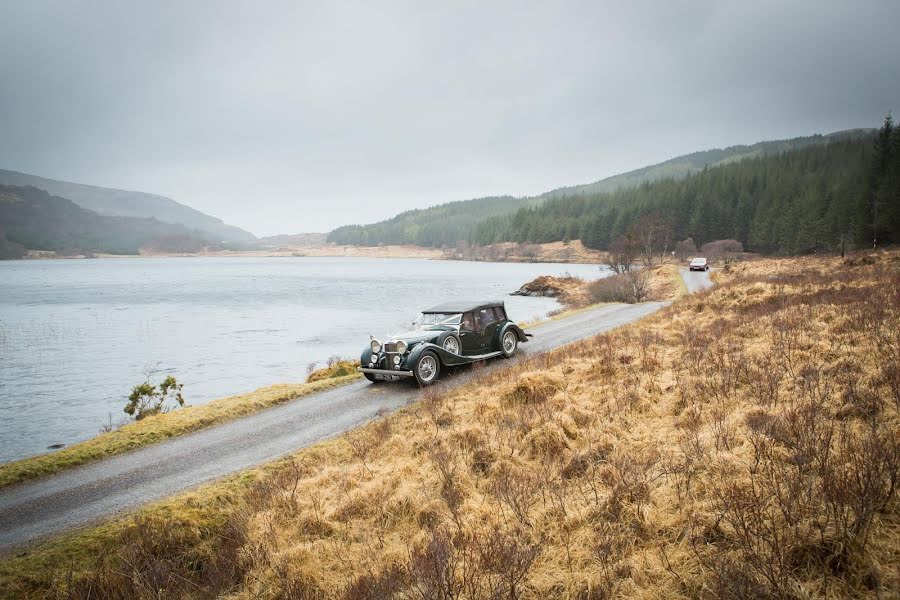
(396,360)
(376,346)
(401,347)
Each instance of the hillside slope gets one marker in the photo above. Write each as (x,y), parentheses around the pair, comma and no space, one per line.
(447,224)
(441,225)
(793,202)
(682,166)
(32,219)
(123,203)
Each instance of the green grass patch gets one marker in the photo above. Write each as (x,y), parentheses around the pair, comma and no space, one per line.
(157,428)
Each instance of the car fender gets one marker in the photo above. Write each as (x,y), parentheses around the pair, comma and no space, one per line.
(366,357)
(520,333)
(446,358)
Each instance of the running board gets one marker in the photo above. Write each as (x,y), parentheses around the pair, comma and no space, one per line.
(484,356)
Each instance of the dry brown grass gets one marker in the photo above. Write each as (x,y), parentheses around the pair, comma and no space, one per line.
(744,442)
(660,283)
(554,252)
(568,290)
(336,368)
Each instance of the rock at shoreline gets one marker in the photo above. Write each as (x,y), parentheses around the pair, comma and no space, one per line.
(568,290)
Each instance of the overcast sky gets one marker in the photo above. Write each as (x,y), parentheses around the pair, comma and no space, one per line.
(285,117)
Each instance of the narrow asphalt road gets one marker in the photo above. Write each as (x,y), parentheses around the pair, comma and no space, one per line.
(37,509)
(695,280)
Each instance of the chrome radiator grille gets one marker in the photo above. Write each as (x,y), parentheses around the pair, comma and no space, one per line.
(390,347)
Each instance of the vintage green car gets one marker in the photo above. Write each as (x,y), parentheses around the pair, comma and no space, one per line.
(448,335)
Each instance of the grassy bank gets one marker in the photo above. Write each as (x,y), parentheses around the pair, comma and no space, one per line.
(157,428)
(744,442)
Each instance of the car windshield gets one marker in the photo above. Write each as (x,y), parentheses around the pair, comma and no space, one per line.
(698,261)
(426,319)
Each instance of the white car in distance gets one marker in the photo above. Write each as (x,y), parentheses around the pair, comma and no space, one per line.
(699,264)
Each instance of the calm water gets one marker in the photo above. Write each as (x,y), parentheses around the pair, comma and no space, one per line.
(75,335)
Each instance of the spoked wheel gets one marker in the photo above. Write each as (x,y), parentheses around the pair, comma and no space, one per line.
(509,343)
(427,368)
(451,344)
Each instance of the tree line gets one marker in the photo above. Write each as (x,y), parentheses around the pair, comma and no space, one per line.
(802,201)
(819,197)
(434,227)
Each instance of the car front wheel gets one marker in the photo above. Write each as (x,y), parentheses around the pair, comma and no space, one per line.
(509,343)
(427,368)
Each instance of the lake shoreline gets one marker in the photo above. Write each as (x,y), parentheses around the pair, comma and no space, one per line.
(189,419)
(506,252)
(220,325)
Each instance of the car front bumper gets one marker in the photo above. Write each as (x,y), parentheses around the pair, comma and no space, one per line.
(386,373)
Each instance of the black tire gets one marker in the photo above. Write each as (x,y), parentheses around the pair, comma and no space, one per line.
(450,339)
(509,343)
(370,377)
(427,368)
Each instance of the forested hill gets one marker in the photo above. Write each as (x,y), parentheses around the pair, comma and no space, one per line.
(484,218)
(125,203)
(794,202)
(32,219)
(682,166)
(789,203)
(442,225)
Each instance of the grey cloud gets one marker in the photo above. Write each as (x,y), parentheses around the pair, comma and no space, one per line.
(287,116)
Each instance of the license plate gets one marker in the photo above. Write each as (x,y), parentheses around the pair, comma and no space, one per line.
(383,377)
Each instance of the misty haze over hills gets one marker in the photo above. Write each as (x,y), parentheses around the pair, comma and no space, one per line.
(125,222)
(123,203)
(32,219)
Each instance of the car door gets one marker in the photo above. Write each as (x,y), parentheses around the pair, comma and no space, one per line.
(486,326)
(468,336)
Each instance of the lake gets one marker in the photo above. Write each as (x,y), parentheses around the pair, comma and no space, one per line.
(76,335)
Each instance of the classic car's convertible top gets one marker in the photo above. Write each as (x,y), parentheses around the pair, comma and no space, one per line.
(450,334)
(462,306)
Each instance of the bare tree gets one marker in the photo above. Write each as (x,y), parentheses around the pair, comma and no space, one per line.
(622,255)
(843,239)
(651,233)
(622,259)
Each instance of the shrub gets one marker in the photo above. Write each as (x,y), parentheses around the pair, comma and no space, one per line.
(532,388)
(337,367)
(147,399)
(722,250)
(630,287)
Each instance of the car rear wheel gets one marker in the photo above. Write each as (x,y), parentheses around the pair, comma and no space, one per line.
(509,343)
(427,368)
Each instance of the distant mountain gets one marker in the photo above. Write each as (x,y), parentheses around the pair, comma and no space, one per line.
(32,219)
(122,203)
(292,240)
(682,166)
(448,224)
